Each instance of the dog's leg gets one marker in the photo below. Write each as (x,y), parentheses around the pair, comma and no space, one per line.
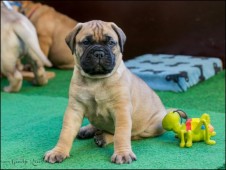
(15,81)
(40,76)
(86,132)
(45,44)
(67,66)
(122,137)
(71,124)
(103,138)
(154,129)
(19,65)
(39,71)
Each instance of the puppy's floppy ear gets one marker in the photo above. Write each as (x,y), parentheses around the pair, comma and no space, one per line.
(70,38)
(121,35)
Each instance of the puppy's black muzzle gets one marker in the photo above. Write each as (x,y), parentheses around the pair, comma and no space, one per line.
(97,60)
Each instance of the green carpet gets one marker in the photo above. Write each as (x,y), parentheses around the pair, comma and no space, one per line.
(31,122)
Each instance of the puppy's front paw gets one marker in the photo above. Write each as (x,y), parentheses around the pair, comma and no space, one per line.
(7,89)
(54,156)
(123,158)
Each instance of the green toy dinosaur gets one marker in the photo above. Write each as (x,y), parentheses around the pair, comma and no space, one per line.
(193,130)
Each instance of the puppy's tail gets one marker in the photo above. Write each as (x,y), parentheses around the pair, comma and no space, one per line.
(27,33)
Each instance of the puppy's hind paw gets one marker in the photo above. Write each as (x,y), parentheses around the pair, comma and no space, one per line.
(86,133)
(99,139)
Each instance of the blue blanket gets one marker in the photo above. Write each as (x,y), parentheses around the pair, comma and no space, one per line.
(173,72)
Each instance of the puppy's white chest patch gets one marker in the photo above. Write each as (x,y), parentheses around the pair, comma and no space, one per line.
(100,115)
(102,109)
(98,107)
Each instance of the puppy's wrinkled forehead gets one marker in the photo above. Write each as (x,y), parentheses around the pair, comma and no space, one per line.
(98,30)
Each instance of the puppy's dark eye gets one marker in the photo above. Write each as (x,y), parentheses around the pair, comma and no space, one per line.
(111,43)
(86,42)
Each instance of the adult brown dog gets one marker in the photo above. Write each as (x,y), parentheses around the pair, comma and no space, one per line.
(18,39)
(52,28)
(119,105)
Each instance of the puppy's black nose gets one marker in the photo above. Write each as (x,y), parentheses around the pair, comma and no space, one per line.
(99,54)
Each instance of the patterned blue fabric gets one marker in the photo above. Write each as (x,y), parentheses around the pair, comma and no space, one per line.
(173,72)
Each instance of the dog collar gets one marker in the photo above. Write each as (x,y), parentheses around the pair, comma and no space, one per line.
(32,12)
